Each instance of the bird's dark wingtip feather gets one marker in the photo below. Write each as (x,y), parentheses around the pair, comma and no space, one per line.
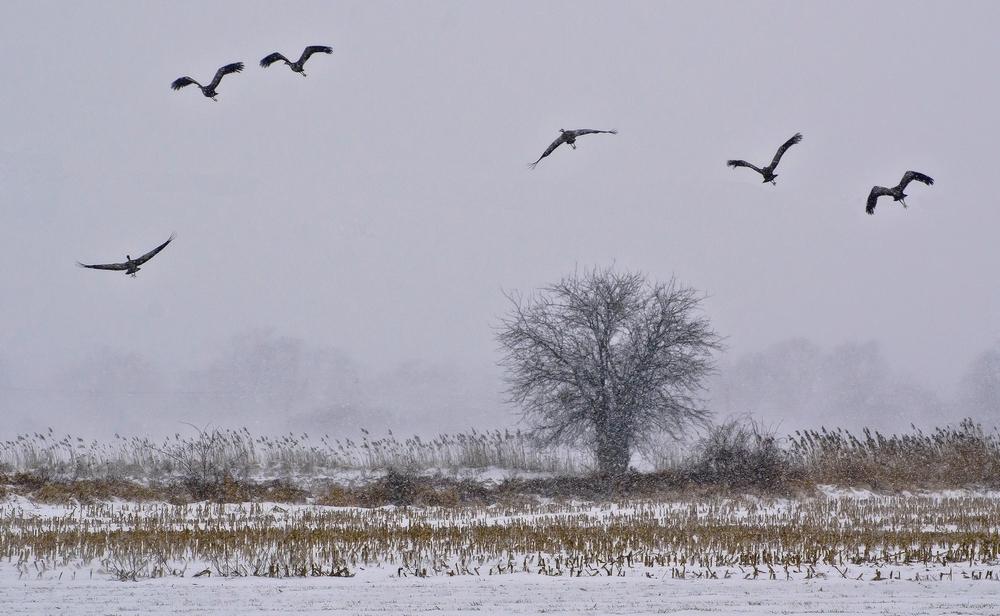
(873,196)
(234,67)
(919,177)
(270,59)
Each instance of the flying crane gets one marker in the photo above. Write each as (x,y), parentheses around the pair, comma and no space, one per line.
(569,136)
(298,65)
(768,171)
(131,266)
(896,192)
(209,90)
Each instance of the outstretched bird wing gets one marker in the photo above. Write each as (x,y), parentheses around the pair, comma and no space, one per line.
(743,163)
(877,191)
(235,67)
(106,266)
(555,144)
(271,59)
(777,155)
(909,176)
(152,253)
(183,81)
(588,131)
(310,50)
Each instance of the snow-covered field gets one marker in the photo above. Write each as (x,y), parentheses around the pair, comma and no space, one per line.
(377,592)
(839,552)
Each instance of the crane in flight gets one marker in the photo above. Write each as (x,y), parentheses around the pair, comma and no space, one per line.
(209,90)
(131,266)
(896,192)
(569,136)
(299,64)
(768,171)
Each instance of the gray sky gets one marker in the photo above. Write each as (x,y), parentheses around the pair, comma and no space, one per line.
(379,206)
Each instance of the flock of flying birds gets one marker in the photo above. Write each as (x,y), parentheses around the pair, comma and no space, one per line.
(896,192)
(237,67)
(131,266)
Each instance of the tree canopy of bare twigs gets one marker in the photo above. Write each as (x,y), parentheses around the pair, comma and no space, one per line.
(608,359)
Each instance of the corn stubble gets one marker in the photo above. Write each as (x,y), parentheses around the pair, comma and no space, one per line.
(745,536)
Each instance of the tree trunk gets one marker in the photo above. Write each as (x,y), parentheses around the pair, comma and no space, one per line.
(613,453)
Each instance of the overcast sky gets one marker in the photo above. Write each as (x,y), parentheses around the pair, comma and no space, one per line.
(380,205)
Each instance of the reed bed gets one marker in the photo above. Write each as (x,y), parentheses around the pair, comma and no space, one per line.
(830,534)
(215,454)
(954,456)
(234,466)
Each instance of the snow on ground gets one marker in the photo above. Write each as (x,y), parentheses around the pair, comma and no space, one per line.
(376,592)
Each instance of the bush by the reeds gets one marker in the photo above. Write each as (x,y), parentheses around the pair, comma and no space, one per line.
(741,454)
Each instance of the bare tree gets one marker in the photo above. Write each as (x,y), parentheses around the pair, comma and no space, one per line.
(608,359)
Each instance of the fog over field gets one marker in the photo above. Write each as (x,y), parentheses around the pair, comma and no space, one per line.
(344,240)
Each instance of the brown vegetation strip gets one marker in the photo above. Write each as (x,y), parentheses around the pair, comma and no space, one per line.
(253,539)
